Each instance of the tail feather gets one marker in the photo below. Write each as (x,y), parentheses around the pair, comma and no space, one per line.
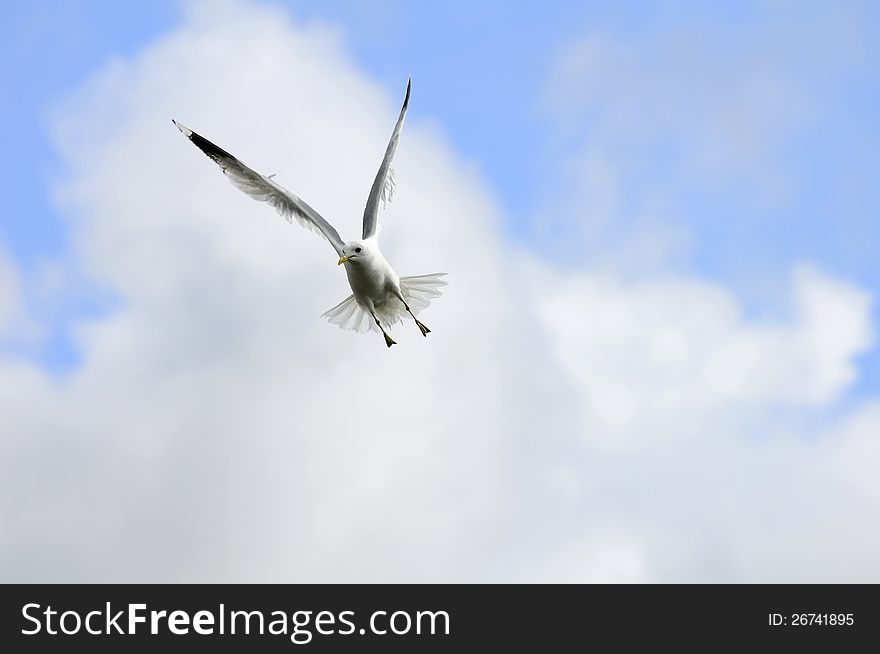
(418,292)
(348,314)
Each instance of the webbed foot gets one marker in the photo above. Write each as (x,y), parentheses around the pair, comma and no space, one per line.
(422,328)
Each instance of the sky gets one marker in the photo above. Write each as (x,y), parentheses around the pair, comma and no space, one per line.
(656,359)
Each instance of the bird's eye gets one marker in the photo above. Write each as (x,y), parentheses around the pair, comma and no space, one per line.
(357,249)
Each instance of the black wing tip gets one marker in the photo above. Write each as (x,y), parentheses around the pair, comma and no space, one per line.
(186,131)
(214,151)
(408,87)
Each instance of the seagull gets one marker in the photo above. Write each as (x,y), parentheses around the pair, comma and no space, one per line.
(379,297)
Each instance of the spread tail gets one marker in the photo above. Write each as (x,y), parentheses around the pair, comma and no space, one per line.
(418,291)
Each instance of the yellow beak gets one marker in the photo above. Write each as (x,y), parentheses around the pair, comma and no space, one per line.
(343,259)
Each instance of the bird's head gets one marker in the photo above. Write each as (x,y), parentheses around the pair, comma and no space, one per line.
(355,252)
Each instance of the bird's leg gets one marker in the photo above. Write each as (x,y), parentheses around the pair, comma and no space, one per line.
(422,328)
(388,340)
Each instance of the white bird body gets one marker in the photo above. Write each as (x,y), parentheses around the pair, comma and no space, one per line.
(379,297)
(373,280)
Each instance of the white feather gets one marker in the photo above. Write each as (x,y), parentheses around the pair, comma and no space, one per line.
(418,291)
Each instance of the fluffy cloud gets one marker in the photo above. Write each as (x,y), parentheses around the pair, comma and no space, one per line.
(646,354)
(554,426)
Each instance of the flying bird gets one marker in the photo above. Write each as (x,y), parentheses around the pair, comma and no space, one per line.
(379,297)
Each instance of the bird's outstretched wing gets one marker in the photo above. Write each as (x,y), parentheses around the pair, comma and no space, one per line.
(383,185)
(264,189)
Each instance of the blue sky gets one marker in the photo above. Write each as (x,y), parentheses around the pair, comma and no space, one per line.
(481,74)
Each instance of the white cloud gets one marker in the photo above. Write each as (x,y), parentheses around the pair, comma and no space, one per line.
(565,427)
(645,354)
